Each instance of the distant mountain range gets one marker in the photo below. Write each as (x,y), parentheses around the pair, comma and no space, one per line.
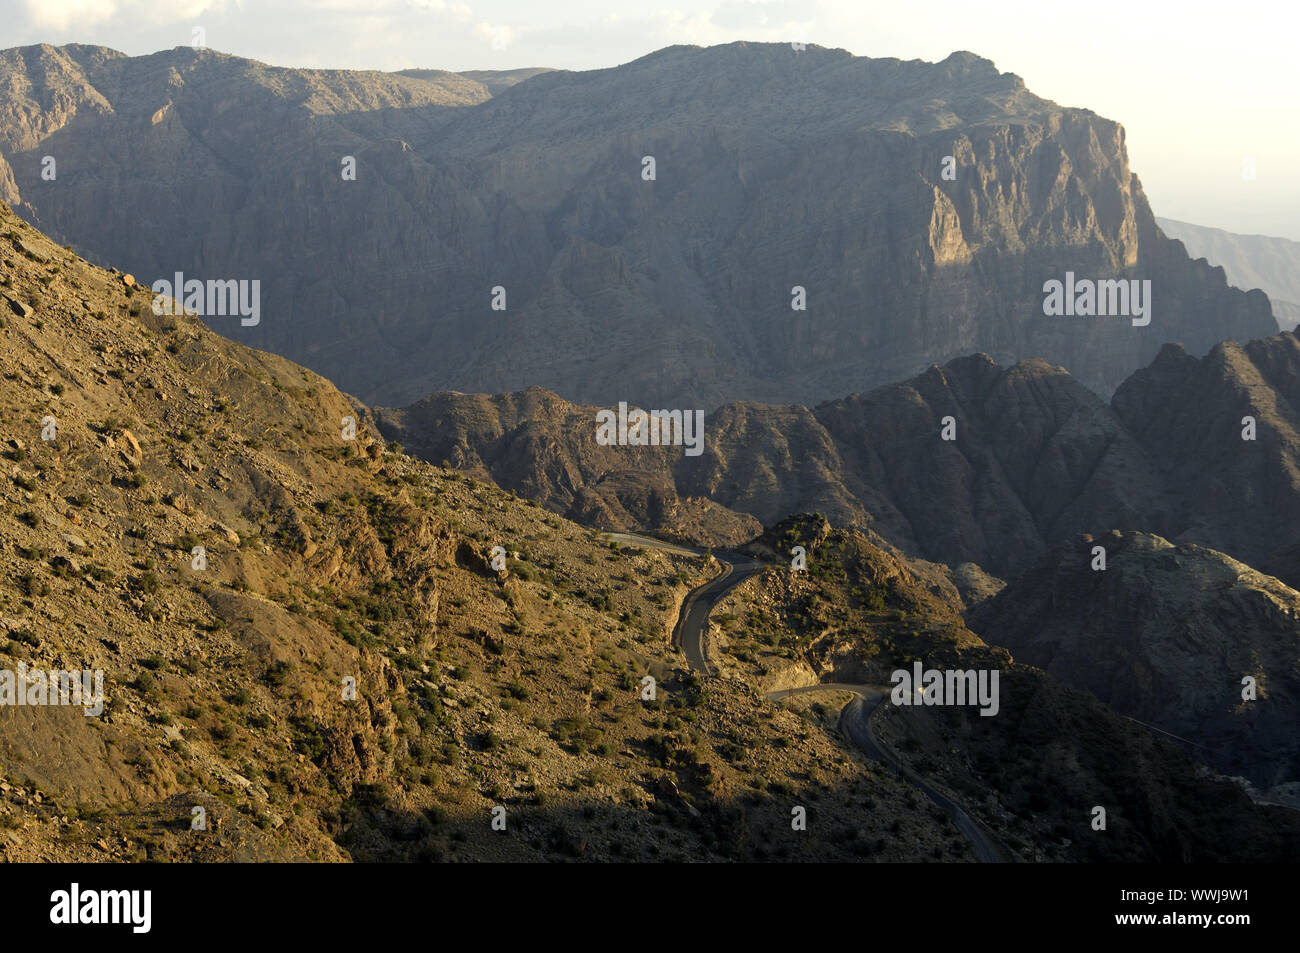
(1037,458)
(1250,261)
(920,206)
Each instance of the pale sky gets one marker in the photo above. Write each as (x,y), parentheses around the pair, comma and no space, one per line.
(1206,90)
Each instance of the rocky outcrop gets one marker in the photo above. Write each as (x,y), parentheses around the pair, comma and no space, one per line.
(542,447)
(1165,634)
(1176,622)
(772,170)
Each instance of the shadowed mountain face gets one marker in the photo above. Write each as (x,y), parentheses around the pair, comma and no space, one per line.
(1036,454)
(771,170)
(1033,772)
(134,445)
(1037,457)
(1194,417)
(1166,633)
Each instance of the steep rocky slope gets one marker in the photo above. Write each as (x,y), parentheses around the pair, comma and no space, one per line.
(1034,772)
(323,560)
(1166,634)
(773,169)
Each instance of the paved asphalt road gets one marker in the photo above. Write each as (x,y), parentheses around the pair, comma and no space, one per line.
(691,631)
(855,719)
(855,722)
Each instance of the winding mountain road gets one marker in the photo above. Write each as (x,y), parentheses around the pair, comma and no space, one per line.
(855,723)
(855,718)
(691,630)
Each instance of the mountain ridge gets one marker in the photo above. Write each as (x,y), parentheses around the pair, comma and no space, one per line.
(1266,262)
(1037,458)
(682,285)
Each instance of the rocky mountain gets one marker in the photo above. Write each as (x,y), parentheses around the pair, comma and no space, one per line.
(1036,458)
(306,637)
(1249,261)
(1166,634)
(311,650)
(1034,773)
(674,286)
(542,447)
(1223,432)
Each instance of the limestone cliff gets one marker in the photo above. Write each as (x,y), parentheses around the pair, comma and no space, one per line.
(773,169)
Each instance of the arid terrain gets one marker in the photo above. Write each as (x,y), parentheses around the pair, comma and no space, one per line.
(363,579)
(327,559)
